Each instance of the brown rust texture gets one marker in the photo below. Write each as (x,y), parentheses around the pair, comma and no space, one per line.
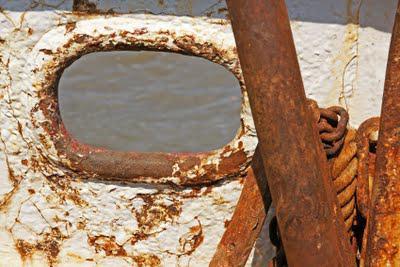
(344,176)
(383,239)
(108,245)
(154,211)
(49,245)
(308,212)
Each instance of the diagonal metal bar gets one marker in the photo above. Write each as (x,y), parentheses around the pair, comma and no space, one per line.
(247,220)
(312,229)
(383,239)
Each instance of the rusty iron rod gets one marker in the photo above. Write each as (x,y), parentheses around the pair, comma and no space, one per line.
(383,239)
(247,220)
(313,231)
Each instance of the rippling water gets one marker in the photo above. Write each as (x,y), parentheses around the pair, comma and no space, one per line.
(149,101)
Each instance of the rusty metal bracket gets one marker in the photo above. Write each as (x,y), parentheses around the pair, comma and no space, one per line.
(307,211)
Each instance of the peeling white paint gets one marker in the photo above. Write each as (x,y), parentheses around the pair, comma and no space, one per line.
(51,216)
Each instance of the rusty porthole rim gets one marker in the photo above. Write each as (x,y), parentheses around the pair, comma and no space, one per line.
(156,165)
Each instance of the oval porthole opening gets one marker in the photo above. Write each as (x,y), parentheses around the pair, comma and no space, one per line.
(149,102)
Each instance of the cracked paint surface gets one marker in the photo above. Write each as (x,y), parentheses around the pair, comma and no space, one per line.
(53,213)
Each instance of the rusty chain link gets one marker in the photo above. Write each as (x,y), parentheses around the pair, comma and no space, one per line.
(332,123)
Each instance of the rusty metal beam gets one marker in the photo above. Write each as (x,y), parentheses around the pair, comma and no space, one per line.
(247,220)
(312,229)
(383,241)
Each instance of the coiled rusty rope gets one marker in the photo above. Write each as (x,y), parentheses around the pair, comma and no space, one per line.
(341,150)
(344,173)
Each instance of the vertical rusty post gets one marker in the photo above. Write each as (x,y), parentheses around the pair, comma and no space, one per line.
(309,218)
(383,241)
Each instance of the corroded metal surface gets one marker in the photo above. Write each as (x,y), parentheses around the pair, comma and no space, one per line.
(50,213)
(343,167)
(312,228)
(383,239)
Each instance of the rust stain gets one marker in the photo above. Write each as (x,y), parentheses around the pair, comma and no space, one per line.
(107,244)
(61,185)
(138,237)
(49,245)
(154,212)
(219,200)
(31,191)
(70,26)
(147,260)
(348,53)
(190,241)
(24,249)
(46,51)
